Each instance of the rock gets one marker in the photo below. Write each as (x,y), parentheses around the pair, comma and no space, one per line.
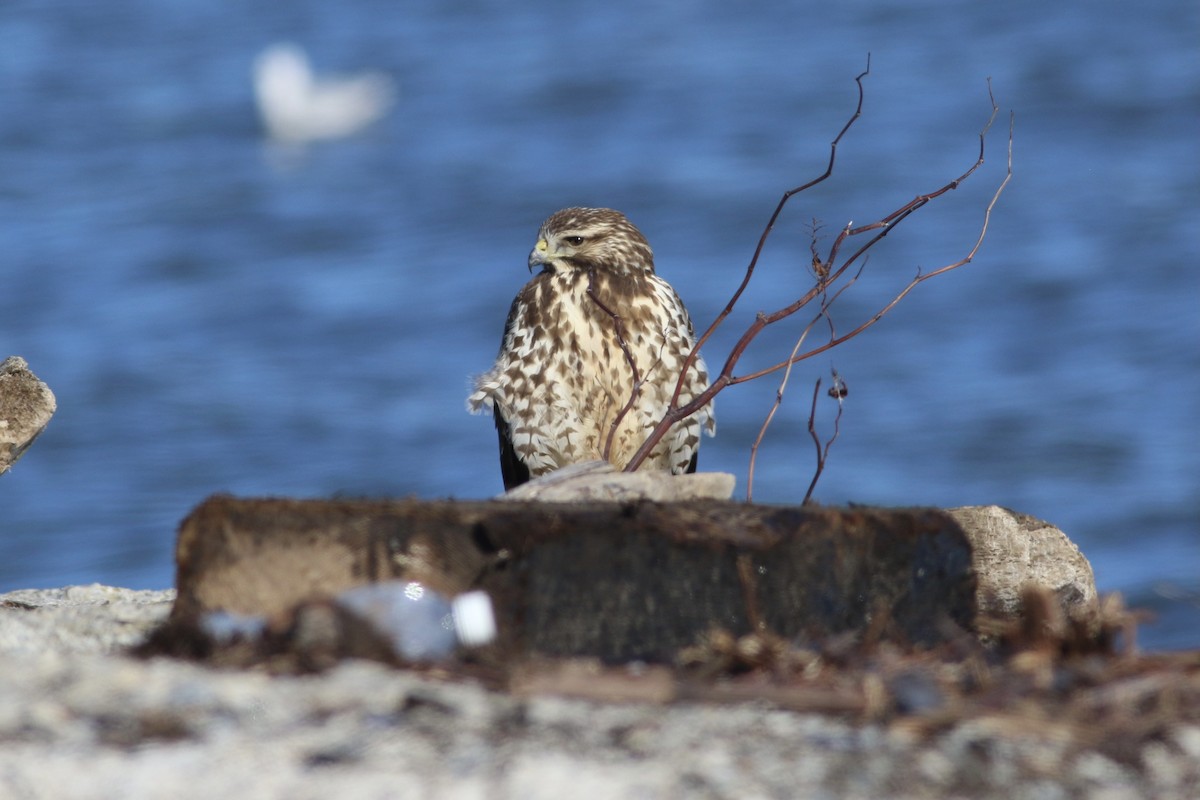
(26,406)
(614,581)
(78,720)
(564,589)
(599,480)
(1014,553)
(67,620)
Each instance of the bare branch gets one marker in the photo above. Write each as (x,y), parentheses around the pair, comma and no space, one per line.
(826,303)
(837,391)
(828,272)
(921,277)
(762,432)
(770,226)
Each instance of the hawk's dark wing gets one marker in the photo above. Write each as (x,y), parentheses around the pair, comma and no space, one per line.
(512,469)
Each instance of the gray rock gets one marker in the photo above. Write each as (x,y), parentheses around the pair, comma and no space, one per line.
(599,480)
(79,619)
(26,405)
(1014,552)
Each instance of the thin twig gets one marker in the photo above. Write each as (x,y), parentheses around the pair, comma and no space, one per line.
(826,303)
(880,228)
(762,431)
(838,392)
(770,226)
(921,277)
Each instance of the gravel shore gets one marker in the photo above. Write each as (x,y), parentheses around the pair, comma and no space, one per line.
(79,719)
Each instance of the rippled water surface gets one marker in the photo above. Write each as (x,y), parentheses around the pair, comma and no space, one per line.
(216,314)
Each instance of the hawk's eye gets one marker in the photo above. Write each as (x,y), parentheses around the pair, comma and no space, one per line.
(573,240)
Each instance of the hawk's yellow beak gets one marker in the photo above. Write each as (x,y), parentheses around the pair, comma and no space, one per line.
(539,254)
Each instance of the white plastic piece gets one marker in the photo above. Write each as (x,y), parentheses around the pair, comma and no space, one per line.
(474,620)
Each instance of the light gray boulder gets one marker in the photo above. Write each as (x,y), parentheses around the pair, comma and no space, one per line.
(26,406)
(599,480)
(79,619)
(1014,553)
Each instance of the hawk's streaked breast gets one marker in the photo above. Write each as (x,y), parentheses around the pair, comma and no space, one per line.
(562,377)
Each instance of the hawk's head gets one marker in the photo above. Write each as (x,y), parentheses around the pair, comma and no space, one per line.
(587,238)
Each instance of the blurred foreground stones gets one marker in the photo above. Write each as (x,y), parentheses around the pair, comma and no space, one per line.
(26,406)
(81,719)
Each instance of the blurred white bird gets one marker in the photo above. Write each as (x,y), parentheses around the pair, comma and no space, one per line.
(296,107)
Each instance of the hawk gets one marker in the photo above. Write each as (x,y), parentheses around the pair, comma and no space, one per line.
(595,337)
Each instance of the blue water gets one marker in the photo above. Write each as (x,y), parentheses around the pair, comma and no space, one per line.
(215,315)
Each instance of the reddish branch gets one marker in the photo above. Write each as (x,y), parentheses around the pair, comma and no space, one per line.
(838,392)
(821,271)
(828,272)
